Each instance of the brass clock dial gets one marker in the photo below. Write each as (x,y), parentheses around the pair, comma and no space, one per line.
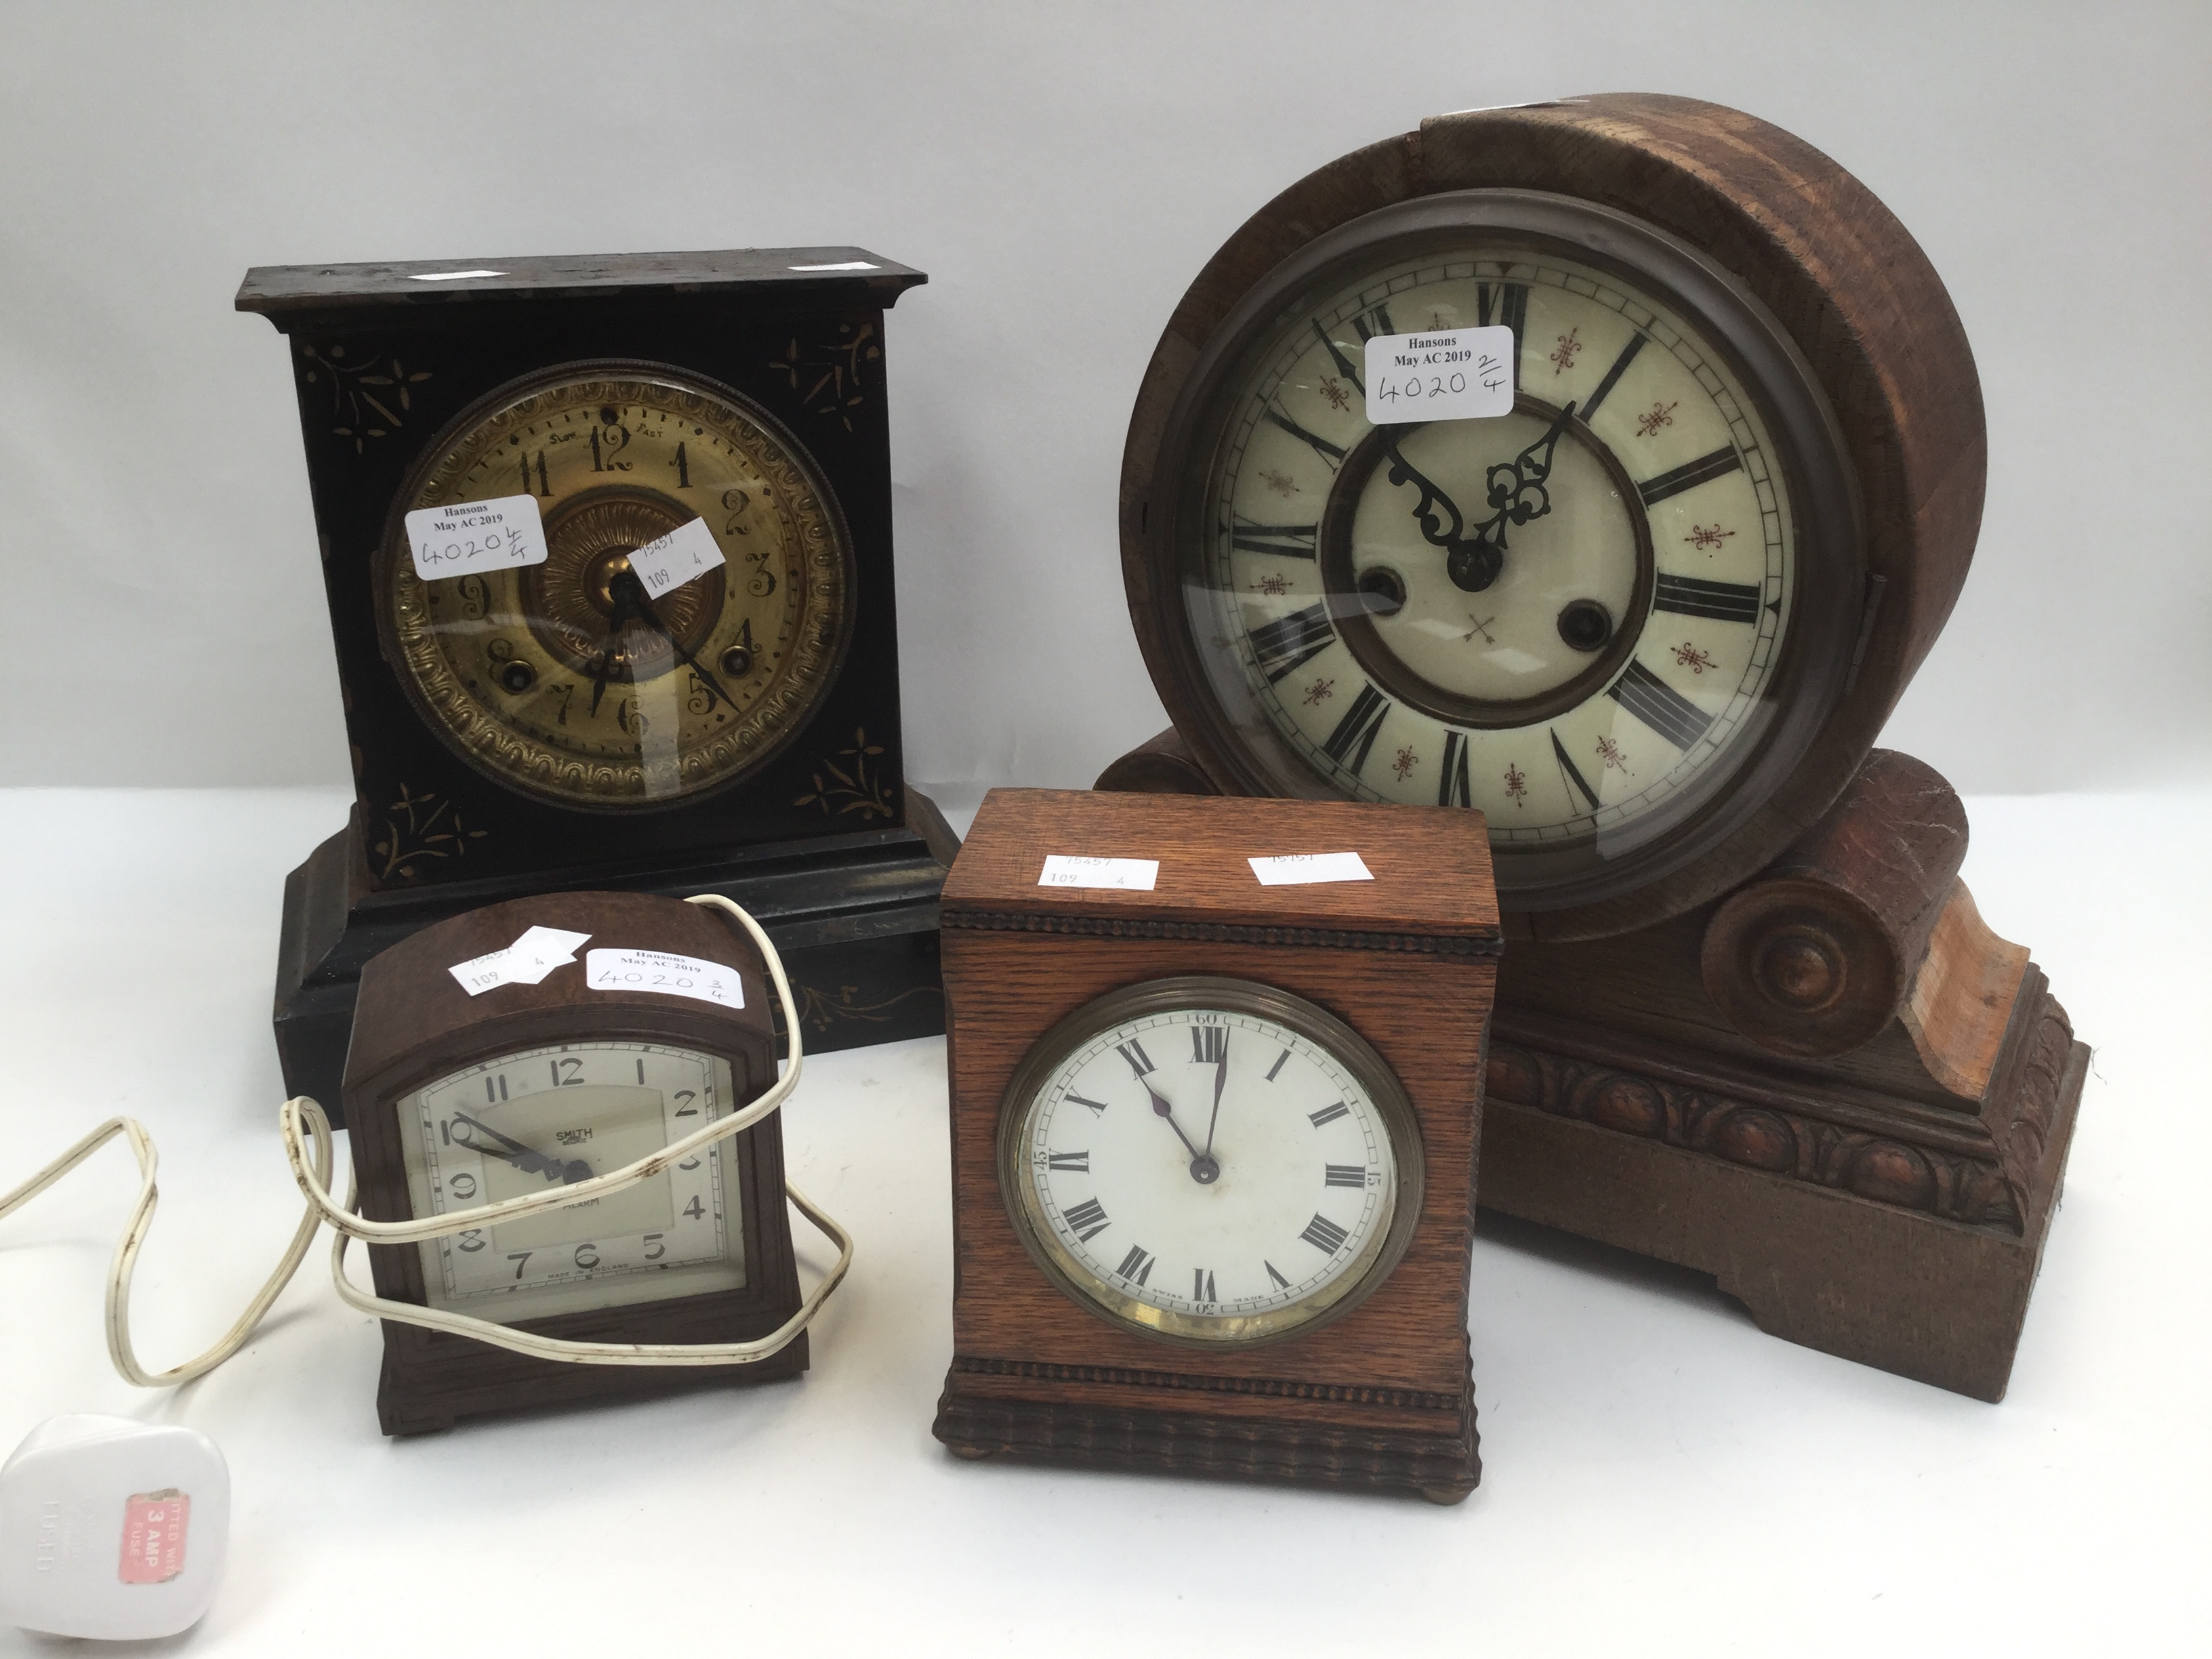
(564,679)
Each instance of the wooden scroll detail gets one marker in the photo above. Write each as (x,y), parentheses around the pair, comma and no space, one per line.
(1160,766)
(1814,957)
(1962,999)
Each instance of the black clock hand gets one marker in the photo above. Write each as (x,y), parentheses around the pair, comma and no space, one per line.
(641,607)
(1203,1170)
(1526,473)
(528,1159)
(1220,1081)
(620,592)
(1472,563)
(1515,489)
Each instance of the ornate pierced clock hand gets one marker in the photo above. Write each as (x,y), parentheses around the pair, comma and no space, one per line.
(1524,474)
(1515,489)
(641,607)
(526,1158)
(1472,565)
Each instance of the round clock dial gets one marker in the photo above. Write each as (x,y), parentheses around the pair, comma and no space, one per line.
(507,1128)
(1597,616)
(1211,1161)
(565,679)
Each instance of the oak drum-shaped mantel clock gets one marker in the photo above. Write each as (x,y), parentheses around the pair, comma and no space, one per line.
(1650,619)
(553,726)
(1213,1140)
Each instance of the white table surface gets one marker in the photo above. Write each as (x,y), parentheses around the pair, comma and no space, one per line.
(1659,1476)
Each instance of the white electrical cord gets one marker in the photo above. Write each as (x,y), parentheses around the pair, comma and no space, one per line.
(301,1115)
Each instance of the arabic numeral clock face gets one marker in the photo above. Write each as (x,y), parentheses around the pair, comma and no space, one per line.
(552,1117)
(1211,1161)
(565,680)
(1602,619)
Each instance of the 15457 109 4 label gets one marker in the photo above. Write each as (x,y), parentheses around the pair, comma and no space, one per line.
(473,537)
(1451,374)
(664,972)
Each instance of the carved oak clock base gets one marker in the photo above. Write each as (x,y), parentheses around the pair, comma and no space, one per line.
(855,917)
(1850,1220)
(1371,1438)
(1834,1088)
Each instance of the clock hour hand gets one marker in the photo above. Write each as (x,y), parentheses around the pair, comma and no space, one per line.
(1203,1169)
(1473,563)
(618,619)
(528,1159)
(641,607)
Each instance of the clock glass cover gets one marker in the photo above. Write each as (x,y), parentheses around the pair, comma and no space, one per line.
(1581,617)
(1210,1161)
(555,1115)
(564,679)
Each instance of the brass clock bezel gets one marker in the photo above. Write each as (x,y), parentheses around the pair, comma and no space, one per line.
(1386,1248)
(769,724)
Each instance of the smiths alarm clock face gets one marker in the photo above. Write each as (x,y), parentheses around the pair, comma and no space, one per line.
(1211,1160)
(545,1117)
(566,679)
(1578,616)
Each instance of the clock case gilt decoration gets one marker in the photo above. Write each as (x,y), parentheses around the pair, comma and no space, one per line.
(1795,1059)
(846,881)
(1381,1396)
(415,1025)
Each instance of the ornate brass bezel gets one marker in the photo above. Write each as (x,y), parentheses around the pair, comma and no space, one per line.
(811,521)
(1385,1248)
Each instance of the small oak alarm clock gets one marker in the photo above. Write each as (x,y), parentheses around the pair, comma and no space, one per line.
(1216,1073)
(644,1021)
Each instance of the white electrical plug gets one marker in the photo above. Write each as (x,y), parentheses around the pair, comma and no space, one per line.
(111,1528)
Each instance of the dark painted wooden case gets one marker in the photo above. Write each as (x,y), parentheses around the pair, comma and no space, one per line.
(415,1024)
(1382,1397)
(846,878)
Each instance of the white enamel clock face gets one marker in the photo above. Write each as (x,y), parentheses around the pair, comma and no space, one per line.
(555,1115)
(1211,1173)
(1565,615)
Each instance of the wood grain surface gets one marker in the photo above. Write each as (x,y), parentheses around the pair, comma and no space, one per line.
(1382,1396)
(1850,286)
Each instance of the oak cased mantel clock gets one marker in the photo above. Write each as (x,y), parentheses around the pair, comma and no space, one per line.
(1649,618)
(518,728)
(1213,1140)
(456,1101)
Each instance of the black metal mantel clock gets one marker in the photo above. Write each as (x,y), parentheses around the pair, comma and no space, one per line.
(563,723)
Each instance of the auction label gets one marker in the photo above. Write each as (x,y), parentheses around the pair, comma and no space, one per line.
(1455,374)
(536,953)
(1064,870)
(476,536)
(665,973)
(1304,869)
(685,552)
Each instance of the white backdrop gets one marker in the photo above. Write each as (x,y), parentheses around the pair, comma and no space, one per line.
(1061,171)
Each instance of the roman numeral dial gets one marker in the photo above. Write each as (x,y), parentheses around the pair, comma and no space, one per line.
(1571,614)
(1209,1170)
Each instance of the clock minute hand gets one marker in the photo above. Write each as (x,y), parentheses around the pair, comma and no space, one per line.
(1524,475)
(643,611)
(528,1159)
